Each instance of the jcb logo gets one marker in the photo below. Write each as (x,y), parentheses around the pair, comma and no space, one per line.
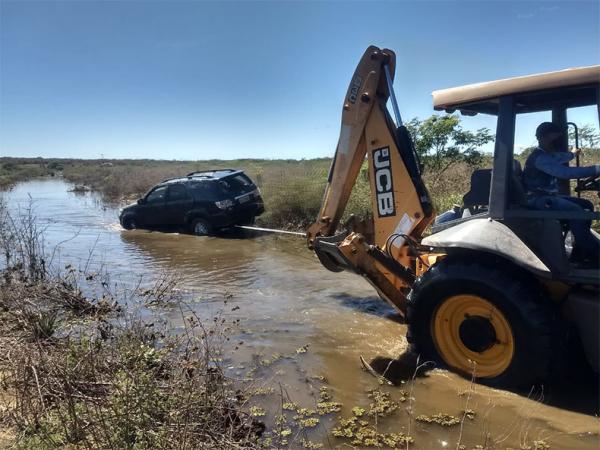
(383,182)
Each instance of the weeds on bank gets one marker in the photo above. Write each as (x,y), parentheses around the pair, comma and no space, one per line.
(13,171)
(127,386)
(77,372)
(22,243)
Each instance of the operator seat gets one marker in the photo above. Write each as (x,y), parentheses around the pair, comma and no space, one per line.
(477,199)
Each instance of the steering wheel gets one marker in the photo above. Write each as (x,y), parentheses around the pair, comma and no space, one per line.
(589,184)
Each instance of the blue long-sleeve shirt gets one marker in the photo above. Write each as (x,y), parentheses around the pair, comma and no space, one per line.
(543,169)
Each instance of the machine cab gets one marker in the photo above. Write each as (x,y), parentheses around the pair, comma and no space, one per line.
(497,194)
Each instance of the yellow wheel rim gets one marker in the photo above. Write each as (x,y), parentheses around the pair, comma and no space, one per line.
(471,334)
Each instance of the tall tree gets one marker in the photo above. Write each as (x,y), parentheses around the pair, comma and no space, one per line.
(441,142)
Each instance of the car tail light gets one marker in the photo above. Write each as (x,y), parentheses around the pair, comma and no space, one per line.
(224,204)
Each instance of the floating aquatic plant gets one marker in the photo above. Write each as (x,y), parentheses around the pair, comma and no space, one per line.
(262,391)
(358,411)
(324,394)
(443,419)
(304,412)
(310,445)
(289,406)
(328,407)
(363,434)
(382,404)
(256,411)
(309,422)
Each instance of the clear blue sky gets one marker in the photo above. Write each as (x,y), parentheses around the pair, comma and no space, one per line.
(198,80)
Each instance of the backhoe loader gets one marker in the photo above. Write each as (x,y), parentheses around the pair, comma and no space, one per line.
(491,293)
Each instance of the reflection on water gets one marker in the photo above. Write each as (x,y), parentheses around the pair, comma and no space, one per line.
(287,300)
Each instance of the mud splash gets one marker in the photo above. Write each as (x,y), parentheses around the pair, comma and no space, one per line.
(303,331)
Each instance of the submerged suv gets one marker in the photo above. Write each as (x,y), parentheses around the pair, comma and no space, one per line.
(201,202)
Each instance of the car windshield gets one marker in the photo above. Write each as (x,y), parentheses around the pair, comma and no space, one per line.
(237,184)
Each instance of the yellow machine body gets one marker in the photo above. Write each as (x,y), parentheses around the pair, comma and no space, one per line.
(467,317)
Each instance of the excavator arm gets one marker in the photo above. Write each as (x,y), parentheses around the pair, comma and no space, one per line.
(384,248)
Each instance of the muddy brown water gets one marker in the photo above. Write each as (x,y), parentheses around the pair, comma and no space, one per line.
(285,301)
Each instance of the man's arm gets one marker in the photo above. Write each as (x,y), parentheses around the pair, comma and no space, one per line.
(563,157)
(553,165)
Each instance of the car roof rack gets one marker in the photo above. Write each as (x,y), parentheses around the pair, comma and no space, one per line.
(211,172)
(214,174)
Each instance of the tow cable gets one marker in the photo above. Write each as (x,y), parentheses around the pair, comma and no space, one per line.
(271,230)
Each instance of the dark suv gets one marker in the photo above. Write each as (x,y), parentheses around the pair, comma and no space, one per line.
(201,202)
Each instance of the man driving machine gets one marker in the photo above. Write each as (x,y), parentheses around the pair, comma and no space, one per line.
(544,167)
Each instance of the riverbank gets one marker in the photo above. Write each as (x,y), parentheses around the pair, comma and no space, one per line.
(292,189)
(15,170)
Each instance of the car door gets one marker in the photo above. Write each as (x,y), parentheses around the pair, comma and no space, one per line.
(179,202)
(152,208)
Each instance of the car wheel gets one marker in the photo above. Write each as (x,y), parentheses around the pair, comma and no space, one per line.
(201,227)
(129,223)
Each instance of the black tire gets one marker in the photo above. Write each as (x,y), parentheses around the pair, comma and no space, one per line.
(201,227)
(516,296)
(129,223)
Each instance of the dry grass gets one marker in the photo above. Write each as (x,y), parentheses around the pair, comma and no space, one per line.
(292,190)
(75,372)
(14,170)
(122,386)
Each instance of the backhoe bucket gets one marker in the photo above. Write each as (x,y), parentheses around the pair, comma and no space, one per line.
(329,253)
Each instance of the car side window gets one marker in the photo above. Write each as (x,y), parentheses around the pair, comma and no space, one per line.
(157,195)
(177,192)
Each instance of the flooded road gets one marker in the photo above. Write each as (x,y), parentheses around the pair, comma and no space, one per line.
(287,303)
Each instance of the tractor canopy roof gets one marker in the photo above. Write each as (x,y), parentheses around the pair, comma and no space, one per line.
(568,88)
